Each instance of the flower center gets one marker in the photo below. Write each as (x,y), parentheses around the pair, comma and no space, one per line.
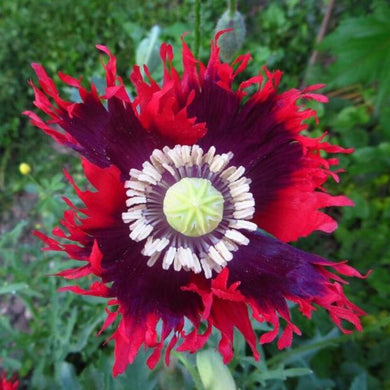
(193,206)
(190,207)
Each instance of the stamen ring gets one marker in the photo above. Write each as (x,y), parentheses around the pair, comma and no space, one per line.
(198,246)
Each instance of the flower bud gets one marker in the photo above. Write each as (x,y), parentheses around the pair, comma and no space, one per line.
(230,42)
(24,168)
(213,373)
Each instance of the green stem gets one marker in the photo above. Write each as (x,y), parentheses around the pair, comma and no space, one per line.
(191,369)
(232,7)
(321,344)
(304,348)
(32,178)
(197,28)
(3,167)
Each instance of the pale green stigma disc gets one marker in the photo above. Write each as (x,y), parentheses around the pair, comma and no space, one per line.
(193,206)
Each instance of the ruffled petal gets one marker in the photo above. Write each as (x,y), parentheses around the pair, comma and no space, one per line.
(143,295)
(272,273)
(264,276)
(11,384)
(264,132)
(165,109)
(105,135)
(225,308)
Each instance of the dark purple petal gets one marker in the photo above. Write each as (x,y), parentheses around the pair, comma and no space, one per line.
(270,157)
(109,136)
(271,271)
(259,142)
(218,108)
(141,289)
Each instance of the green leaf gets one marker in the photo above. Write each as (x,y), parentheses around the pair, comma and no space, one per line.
(384,120)
(281,374)
(86,333)
(67,377)
(12,236)
(12,288)
(360,382)
(362,48)
(371,159)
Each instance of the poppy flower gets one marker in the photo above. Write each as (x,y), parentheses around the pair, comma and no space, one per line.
(11,384)
(198,184)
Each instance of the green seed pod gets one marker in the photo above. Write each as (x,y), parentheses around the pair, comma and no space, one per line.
(230,42)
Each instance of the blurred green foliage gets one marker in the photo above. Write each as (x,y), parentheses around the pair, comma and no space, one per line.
(56,347)
(364,44)
(63,35)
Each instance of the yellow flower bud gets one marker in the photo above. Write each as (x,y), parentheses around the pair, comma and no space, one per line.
(24,168)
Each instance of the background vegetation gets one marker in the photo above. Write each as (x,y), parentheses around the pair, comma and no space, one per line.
(49,337)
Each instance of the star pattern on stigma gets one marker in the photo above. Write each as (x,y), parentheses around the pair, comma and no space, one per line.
(159,256)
